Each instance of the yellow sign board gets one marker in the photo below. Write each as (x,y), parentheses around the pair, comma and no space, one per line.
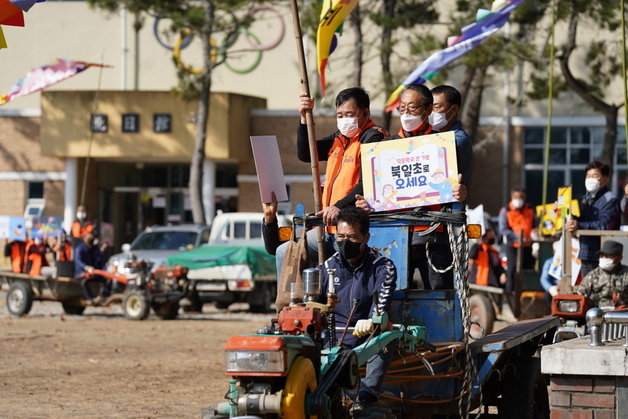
(410,172)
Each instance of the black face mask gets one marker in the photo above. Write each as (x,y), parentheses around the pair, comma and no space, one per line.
(491,241)
(349,249)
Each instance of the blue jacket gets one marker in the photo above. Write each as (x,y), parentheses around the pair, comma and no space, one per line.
(375,273)
(86,256)
(598,212)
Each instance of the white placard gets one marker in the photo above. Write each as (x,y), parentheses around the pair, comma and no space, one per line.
(269,169)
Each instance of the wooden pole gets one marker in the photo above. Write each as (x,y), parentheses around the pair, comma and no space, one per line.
(309,120)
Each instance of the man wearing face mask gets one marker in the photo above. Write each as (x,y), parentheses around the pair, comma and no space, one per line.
(514,219)
(599,210)
(607,285)
(81,225)
(87,257)
(444,117)
(359,272)
(341,150)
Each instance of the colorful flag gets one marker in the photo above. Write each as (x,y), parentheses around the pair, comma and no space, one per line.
(3,42)
(41,77)
(333,14)
(487,23)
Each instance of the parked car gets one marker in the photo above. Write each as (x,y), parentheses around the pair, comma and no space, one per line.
(157,243)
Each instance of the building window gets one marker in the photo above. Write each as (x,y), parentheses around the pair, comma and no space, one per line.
(99,122)
(35,190)
(130,122)
(571,149)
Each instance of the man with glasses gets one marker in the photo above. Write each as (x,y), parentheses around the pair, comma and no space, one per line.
(359,272)
(599,210)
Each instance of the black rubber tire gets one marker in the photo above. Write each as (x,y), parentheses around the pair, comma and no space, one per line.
(195,306)
(72,309)
(222,305)
(525,394)
(481,311)
(264,296)
(168,311)
(135,305)
(19,298)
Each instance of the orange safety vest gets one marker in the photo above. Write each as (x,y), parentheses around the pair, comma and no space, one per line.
(18,248)
(520,220)
(36,258)
(483,263)
(64,252)
(80,229)
(343,167)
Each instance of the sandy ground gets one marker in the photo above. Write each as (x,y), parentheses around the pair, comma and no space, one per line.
(102,365)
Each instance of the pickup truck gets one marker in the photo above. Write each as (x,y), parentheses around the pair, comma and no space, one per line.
(233,266)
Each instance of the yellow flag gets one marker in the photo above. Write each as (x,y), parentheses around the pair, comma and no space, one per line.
(3,42)
(333,13)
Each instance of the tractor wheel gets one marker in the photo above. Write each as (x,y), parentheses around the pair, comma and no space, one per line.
(195,306)
(135,305)
(525,394)
(264,297)
(167,311)
(72,308)
(19,298)
(481,312)
(301,380)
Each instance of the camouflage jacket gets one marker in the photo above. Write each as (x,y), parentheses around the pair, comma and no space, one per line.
(600,285)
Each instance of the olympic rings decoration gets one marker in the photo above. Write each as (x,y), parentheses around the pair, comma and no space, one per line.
(258,57)
(176,53)
(220,52)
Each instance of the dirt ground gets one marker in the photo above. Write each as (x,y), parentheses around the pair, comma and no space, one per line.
(100,364)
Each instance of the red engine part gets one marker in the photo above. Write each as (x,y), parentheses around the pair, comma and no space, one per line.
(176,271)
(301,320)
(583,305)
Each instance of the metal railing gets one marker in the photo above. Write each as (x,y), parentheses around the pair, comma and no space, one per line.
(607,327)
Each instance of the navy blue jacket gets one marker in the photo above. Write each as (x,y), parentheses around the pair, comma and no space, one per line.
(87,256)
(375,273)
(598,212)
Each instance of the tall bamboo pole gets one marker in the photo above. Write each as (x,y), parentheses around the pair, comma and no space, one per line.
(309,120)
(550,94)
(623,68)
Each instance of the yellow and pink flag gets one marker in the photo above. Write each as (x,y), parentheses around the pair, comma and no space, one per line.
(333,14)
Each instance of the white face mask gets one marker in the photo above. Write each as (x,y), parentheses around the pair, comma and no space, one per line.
(438,120)
(81,215)
(411,122)
(517,203)
(348,126)
(607,263)
(592,185)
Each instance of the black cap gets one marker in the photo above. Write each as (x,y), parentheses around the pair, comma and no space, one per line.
(611,247)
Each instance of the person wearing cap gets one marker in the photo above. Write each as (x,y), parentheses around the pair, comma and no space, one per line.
(607,285)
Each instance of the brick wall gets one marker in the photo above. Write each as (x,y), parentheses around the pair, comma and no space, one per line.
(573,396)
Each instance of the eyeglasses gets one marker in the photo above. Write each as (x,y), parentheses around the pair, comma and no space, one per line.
(350,237)
(409,109)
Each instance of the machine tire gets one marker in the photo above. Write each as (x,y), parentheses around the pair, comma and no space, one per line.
(301,380)
(263,299)
(195,306)
(525,394)
(19,298)
(72,309)
(135,305)
(481,311)
(168,311)
(222,305)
